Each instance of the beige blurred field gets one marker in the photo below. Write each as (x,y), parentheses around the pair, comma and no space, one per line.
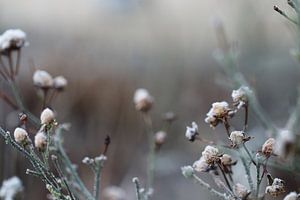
(108,48)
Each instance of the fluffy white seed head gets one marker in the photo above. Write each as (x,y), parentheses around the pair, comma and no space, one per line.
(226,159)
(47,116)
(291,196)
(237,137)
(191,132)
(60,82)
(218,111)
(268,147)
(240,191)
(143,100)
(114,193)
(160,137)
(12,39)
(42,79)
(210,154)
(20,135)
(40,141)
(11,188)
(276,188)
(240,97)
(200,165)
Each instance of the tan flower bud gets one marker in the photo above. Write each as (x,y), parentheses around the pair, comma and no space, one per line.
(143,100)
(42,79)
(40,141)
(237,137)
(268,147)
(226,159)
(60,82)
(20,135)
(160,137)
(210,154)
(47,116)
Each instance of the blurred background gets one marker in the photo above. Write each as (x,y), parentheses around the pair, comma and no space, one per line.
(109,48)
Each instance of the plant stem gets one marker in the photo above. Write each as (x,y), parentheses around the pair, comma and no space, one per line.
(151,154)
(68,164)
(137,188)
(257,179)
(208,187)
(20,104)
(225,177)
(247,170)
(249,154)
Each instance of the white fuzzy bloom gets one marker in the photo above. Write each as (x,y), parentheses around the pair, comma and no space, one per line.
(100,159)
(240,97)
(47,116)
(191,132)
(218,111)
(42,79)
(268,147)
(87,160)
(20,135)
(143,100)
(12,39)
(210,154)
(10,188)
(285,142)
(114,193)
(237,137)
(60,82)
(276,188)
(160,137)
(200,165)
(291,196)
(40,141)
(226,159)
(240,191)
(187,171)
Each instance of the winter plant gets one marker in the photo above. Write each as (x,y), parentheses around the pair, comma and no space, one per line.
(45,151)
(220,160)
(40,138)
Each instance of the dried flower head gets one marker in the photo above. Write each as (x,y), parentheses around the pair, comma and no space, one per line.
(226,159)
(240,191)
(210,154)
(21,135)
(40,141)
(187,171)
(285,143)
(47,116)
(100,159)
(60,82)
(11,188)
(268,147)
(292,196)
(114,193)
(42,79)
(160,137)
(143,100)
(240,97)
(201,165)
(237,137)
(218,112)
(276,188)
(12,39)
(192,132)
